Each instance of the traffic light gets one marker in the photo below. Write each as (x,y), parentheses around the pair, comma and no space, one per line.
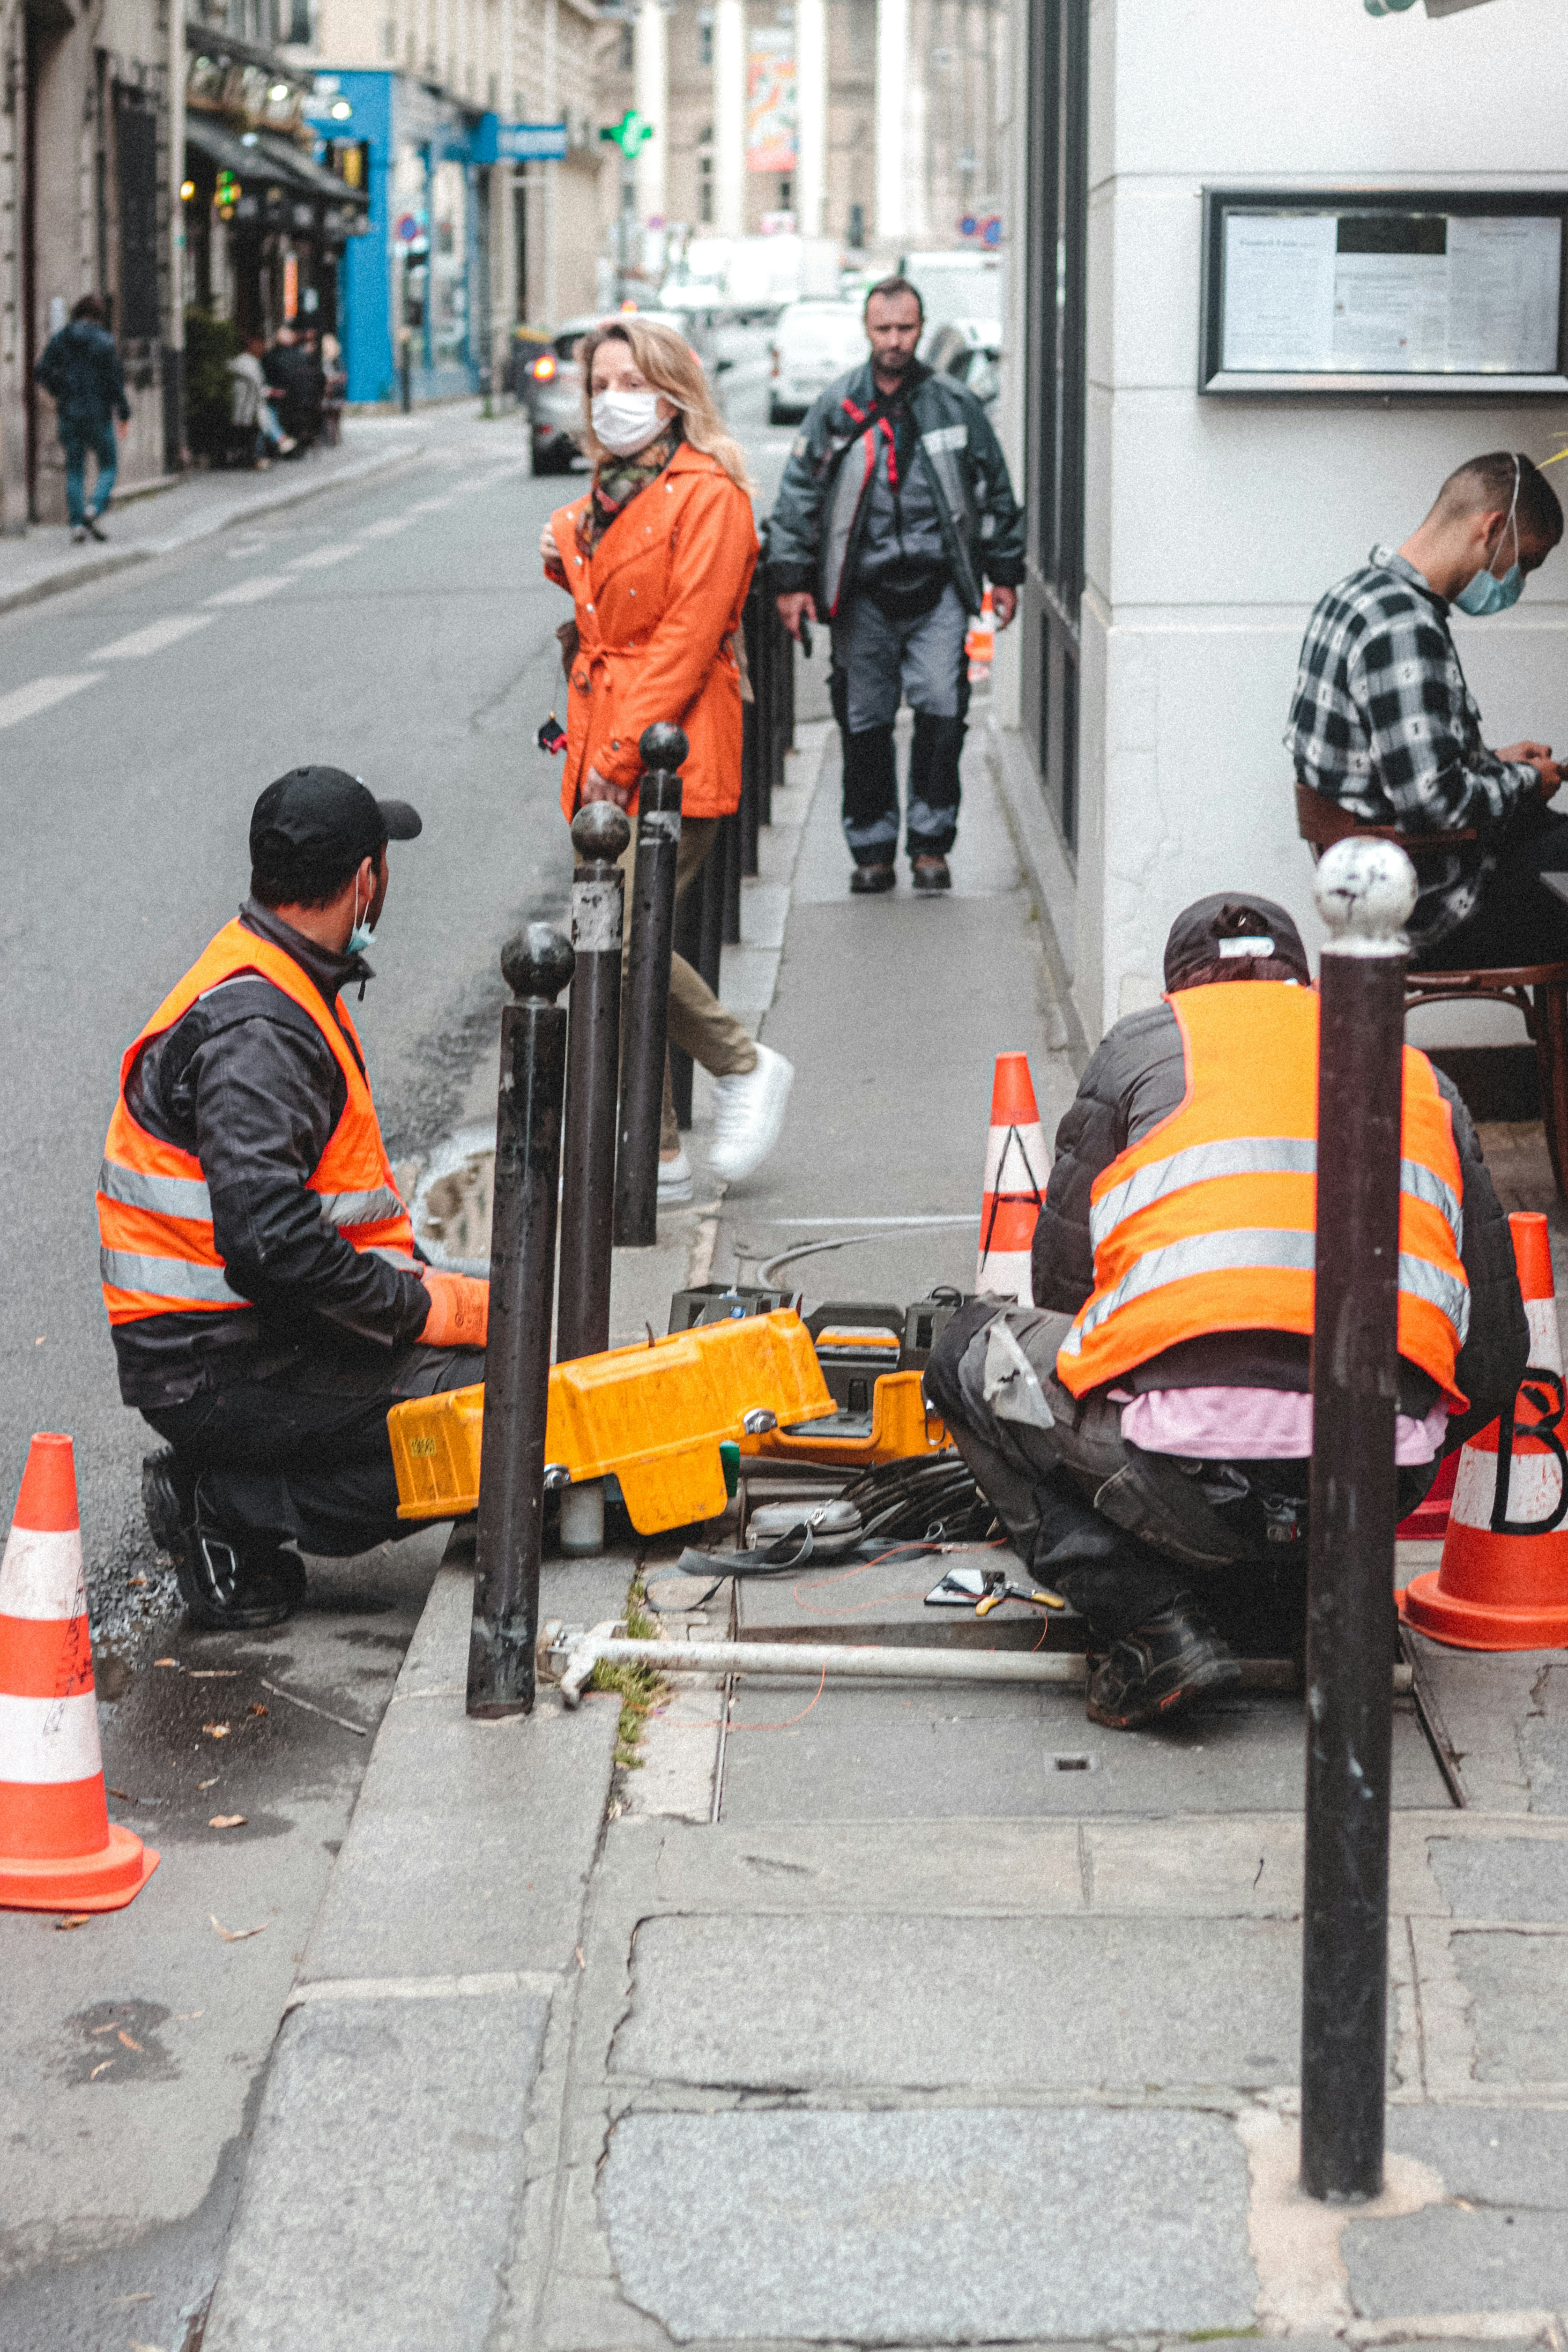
(632,132)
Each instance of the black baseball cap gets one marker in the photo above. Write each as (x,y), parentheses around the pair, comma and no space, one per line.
(1232,923)
(325,813)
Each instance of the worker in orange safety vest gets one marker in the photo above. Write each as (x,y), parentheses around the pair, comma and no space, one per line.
(1144,1430)
(266,1297)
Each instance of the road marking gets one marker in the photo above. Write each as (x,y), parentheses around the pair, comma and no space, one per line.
(153,637)
(322,556)
(385,530)
(433,506)
(251,591)
(27,701)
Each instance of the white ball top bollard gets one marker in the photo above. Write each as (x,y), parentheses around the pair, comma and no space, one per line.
(1364,891)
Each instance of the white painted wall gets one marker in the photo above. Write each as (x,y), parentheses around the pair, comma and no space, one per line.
(1214,526)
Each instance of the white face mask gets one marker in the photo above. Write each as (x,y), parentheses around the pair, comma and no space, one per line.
(626,421)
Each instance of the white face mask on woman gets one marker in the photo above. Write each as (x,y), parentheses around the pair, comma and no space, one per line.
(626,421)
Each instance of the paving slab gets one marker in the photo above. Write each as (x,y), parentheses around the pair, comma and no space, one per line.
(1502,1878)
(937,2227)
(340,2240)
(1518,1985)
(933,1751)
(986,2004)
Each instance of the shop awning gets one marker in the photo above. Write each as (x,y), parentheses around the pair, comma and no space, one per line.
(228,151)
(304,172)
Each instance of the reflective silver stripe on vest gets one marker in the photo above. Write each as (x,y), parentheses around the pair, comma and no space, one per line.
(360,1208)
(1200,1164)
(167,1277)
(1271,1248)
(1423,1184)
(1251,1155)
(1424,1280)
(165,1196)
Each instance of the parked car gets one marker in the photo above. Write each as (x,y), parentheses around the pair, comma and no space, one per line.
(549,386)
(813,343)
(950,350)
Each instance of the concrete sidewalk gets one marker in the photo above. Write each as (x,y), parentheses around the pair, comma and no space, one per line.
(163,518)
(918,2015)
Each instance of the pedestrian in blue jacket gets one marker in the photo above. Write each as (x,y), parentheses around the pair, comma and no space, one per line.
(894,509)
(80,372)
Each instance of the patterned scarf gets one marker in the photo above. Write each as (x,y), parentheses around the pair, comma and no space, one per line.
(617,482)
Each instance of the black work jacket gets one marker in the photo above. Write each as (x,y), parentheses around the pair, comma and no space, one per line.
(248,1083)
(1138,1077)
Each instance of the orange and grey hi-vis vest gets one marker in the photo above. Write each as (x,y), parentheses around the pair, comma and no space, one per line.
(1209,1223)
(155,1214)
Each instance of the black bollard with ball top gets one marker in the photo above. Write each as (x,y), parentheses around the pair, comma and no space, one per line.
(1365,892)
(646,1013)
(537,967)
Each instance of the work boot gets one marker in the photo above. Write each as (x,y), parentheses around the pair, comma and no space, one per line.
(675,1182)
(930,872)
(870,881)
(1157,1670)
(223,1588)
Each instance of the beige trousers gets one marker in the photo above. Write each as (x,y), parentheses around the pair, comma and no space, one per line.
(698,1023)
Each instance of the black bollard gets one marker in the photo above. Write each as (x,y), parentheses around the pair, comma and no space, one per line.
(1364,890)
(647,1006)
(517,1359)
(599,835)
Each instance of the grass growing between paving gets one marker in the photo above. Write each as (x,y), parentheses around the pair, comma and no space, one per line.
(640,1687)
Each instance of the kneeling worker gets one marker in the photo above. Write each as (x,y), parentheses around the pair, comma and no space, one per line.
(267,1302)
(1144,1430)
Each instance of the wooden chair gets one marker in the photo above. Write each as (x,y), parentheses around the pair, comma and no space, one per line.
(1537,991)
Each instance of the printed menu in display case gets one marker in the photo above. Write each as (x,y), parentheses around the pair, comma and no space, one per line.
(1407,294)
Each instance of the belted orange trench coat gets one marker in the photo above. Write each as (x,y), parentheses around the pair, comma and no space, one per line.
(657,607)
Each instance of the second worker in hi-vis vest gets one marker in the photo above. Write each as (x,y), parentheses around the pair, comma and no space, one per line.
(1144,1430)
(265,1298)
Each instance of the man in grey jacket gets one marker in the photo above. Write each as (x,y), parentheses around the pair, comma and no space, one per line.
(1169,1504)
(894,509)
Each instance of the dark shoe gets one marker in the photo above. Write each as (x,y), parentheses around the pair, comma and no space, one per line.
(224,1589)
(931,873)
(78,534)
(869,881)
(92,525)
(1158,1669)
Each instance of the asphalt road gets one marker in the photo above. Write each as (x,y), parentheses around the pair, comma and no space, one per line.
(402,631)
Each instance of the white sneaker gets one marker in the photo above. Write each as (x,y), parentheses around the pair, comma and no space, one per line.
(675,1181)
(750,1114)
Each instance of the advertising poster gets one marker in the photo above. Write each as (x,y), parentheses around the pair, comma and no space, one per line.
(770,99)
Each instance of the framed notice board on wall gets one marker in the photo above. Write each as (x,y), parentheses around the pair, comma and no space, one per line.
(1407,294)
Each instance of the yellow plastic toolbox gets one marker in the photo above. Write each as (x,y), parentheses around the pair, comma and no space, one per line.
(899,1427)
(653,1416)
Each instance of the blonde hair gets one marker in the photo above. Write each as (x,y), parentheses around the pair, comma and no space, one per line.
(667,363)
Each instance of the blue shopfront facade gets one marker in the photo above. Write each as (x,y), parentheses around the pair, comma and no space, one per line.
(423,270)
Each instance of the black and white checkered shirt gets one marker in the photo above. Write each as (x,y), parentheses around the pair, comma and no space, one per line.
(1383,722)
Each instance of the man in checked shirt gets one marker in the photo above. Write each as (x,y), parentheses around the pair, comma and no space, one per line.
(1384,723)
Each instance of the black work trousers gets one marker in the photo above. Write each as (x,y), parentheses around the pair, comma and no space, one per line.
(303,1457)
(1519,920)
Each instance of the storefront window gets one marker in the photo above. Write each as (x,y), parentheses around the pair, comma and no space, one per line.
(449,267)
(1057,261)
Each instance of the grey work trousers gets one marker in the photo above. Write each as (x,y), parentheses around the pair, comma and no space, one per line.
(1120,1532)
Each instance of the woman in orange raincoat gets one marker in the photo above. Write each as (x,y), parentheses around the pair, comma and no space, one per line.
(657,558)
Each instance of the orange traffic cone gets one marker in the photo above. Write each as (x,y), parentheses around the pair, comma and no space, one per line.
(58,1850)
(1014,1191)
(1504,1583)
(1428,1522)
(980,640)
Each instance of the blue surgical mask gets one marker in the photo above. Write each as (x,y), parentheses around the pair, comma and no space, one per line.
(1485,593)
(364,932)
